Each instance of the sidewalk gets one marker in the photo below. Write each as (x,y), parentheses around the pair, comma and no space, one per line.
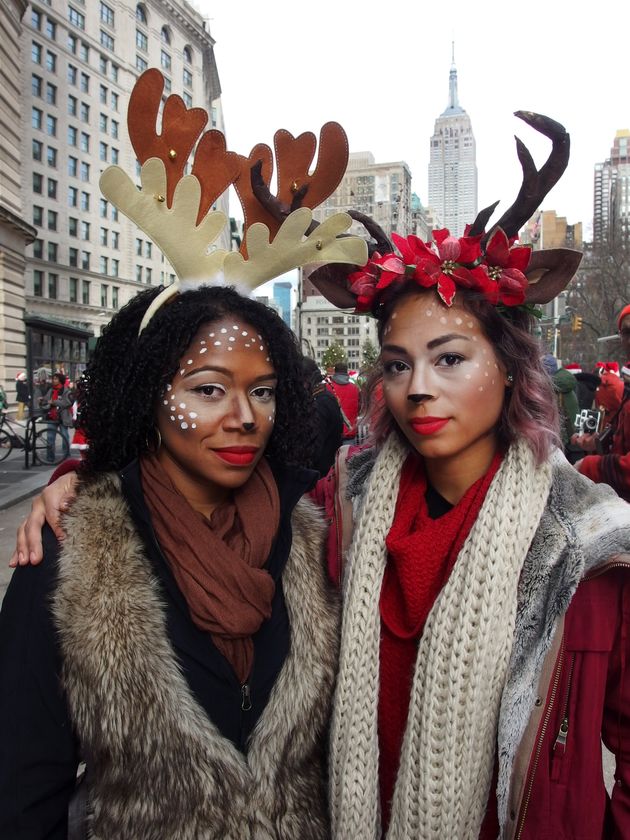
(16,483)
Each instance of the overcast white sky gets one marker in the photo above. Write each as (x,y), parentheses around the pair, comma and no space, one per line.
(381,70)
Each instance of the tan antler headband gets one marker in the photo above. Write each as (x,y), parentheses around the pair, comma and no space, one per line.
(174,209)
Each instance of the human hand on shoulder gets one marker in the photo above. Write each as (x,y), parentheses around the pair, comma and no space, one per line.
(47,507)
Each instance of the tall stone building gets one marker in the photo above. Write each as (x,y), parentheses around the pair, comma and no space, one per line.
(15,231)
(452,164)
(82,60)
(611,193)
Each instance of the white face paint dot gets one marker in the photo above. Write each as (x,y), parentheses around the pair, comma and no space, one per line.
(182,405)
(210,335)
(244,332)
(270,419)
(442,320)
(229,348)
(470,324)
(203,341)
(467,376)
(169,387)
(223,330)
(189,362)
(203,350)
(458,321)
(429,313)
(394,315)
(165,402)
(480,388)
(217,343)
(172,417)
(180,416)
(194,426)
(182,372)
(267,359)
(261,347)
(192,414)
(234,327)
(184,425)
(231,338)
(486,373)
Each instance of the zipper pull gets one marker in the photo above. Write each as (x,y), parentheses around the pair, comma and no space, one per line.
(246,700)
(561,740)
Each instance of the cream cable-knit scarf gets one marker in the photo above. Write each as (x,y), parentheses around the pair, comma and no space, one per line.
(448,750)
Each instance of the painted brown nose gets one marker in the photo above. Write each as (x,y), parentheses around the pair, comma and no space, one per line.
(248,426)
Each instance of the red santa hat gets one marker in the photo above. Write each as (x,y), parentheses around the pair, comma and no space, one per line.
(611,367)
(625,311)
(573,367)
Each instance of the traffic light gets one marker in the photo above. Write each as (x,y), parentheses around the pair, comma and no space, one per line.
(576,323)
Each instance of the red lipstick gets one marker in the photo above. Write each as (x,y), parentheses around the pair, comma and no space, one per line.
(428,425)
(239,456)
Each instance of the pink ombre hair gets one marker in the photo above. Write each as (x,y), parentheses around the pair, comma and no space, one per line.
(530,408)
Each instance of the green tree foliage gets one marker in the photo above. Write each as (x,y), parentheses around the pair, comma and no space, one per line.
(333,354)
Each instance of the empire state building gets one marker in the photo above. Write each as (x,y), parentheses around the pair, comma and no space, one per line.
(452,164)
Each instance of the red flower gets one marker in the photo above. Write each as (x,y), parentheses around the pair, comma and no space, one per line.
(505,268)
(445,269)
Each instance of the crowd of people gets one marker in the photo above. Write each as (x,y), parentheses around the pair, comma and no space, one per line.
(224,624)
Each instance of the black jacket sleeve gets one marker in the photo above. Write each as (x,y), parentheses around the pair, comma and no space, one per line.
(38,750)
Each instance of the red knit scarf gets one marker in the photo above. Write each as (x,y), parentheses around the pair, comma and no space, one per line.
(421,555)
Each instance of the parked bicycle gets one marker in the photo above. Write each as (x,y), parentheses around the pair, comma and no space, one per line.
(41,437)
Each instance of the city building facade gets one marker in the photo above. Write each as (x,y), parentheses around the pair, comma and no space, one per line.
(282,297)
(82,60)
(611,193)
(452,164)
(322,324)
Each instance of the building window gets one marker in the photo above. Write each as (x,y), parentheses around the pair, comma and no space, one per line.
(85,231)
(85,83)
(142,42)
(148,274)
(115,264)
(85,142)
(138,247)
(107,41)
(138,274)
(74,289)
(103,236)
(51,157)
(84,52)
(38,215)
(72,43)
(187,77)
(114,101)
(141,14)
(114,213)
(102,64)
(73,197)
(51,93)
(52,286)
(85,171)
(114,131)
(73,226)
(167,85)
(52,252)
(165,60)
(36,85)
(102,205)
(52,188)
(102,267)
(115,295)
(115,239)
(187,100)
(102,151)
(51,125)
(38,249)
(51,29)
(85,201)
(114,155)
(85,291)
(104,289)
(72,75)
(165,35)
(85,260)
(102,122)
(36,19)
(141,64)
(72,135)
(76,18)
(102,94)
(51,62)
(187,54)
(73,166)
(85,112)
(36,118)
(38,283)
(72,105)
(107,14)
(73,257)
(148,248)
(36,53)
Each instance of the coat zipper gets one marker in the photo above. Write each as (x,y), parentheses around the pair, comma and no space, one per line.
(560,744)
(617,565)
(541,738)
(246,698)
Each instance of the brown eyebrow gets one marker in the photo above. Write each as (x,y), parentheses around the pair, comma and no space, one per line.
(217,369)
(436,342)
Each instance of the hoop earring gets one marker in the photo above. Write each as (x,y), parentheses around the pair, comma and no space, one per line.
(157,442)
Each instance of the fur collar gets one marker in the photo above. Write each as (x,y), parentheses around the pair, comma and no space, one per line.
(584,526)
(158,766)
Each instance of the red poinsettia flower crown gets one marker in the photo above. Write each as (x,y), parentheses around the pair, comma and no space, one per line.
(496,269)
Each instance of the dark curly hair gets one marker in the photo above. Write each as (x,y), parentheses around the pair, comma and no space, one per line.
(128,373)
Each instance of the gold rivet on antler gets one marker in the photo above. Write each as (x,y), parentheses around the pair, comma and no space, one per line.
(160,198)
(294,187)
(319,245)
(172,154)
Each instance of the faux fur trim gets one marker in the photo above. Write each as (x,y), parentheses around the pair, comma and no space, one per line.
(159,766)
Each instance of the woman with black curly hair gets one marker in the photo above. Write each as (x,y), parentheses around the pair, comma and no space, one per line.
(183,644)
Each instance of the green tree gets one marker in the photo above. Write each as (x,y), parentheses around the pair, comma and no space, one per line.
(333,354)
(370,355)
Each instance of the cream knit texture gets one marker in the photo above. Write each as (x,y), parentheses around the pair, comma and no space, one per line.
(447,756)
